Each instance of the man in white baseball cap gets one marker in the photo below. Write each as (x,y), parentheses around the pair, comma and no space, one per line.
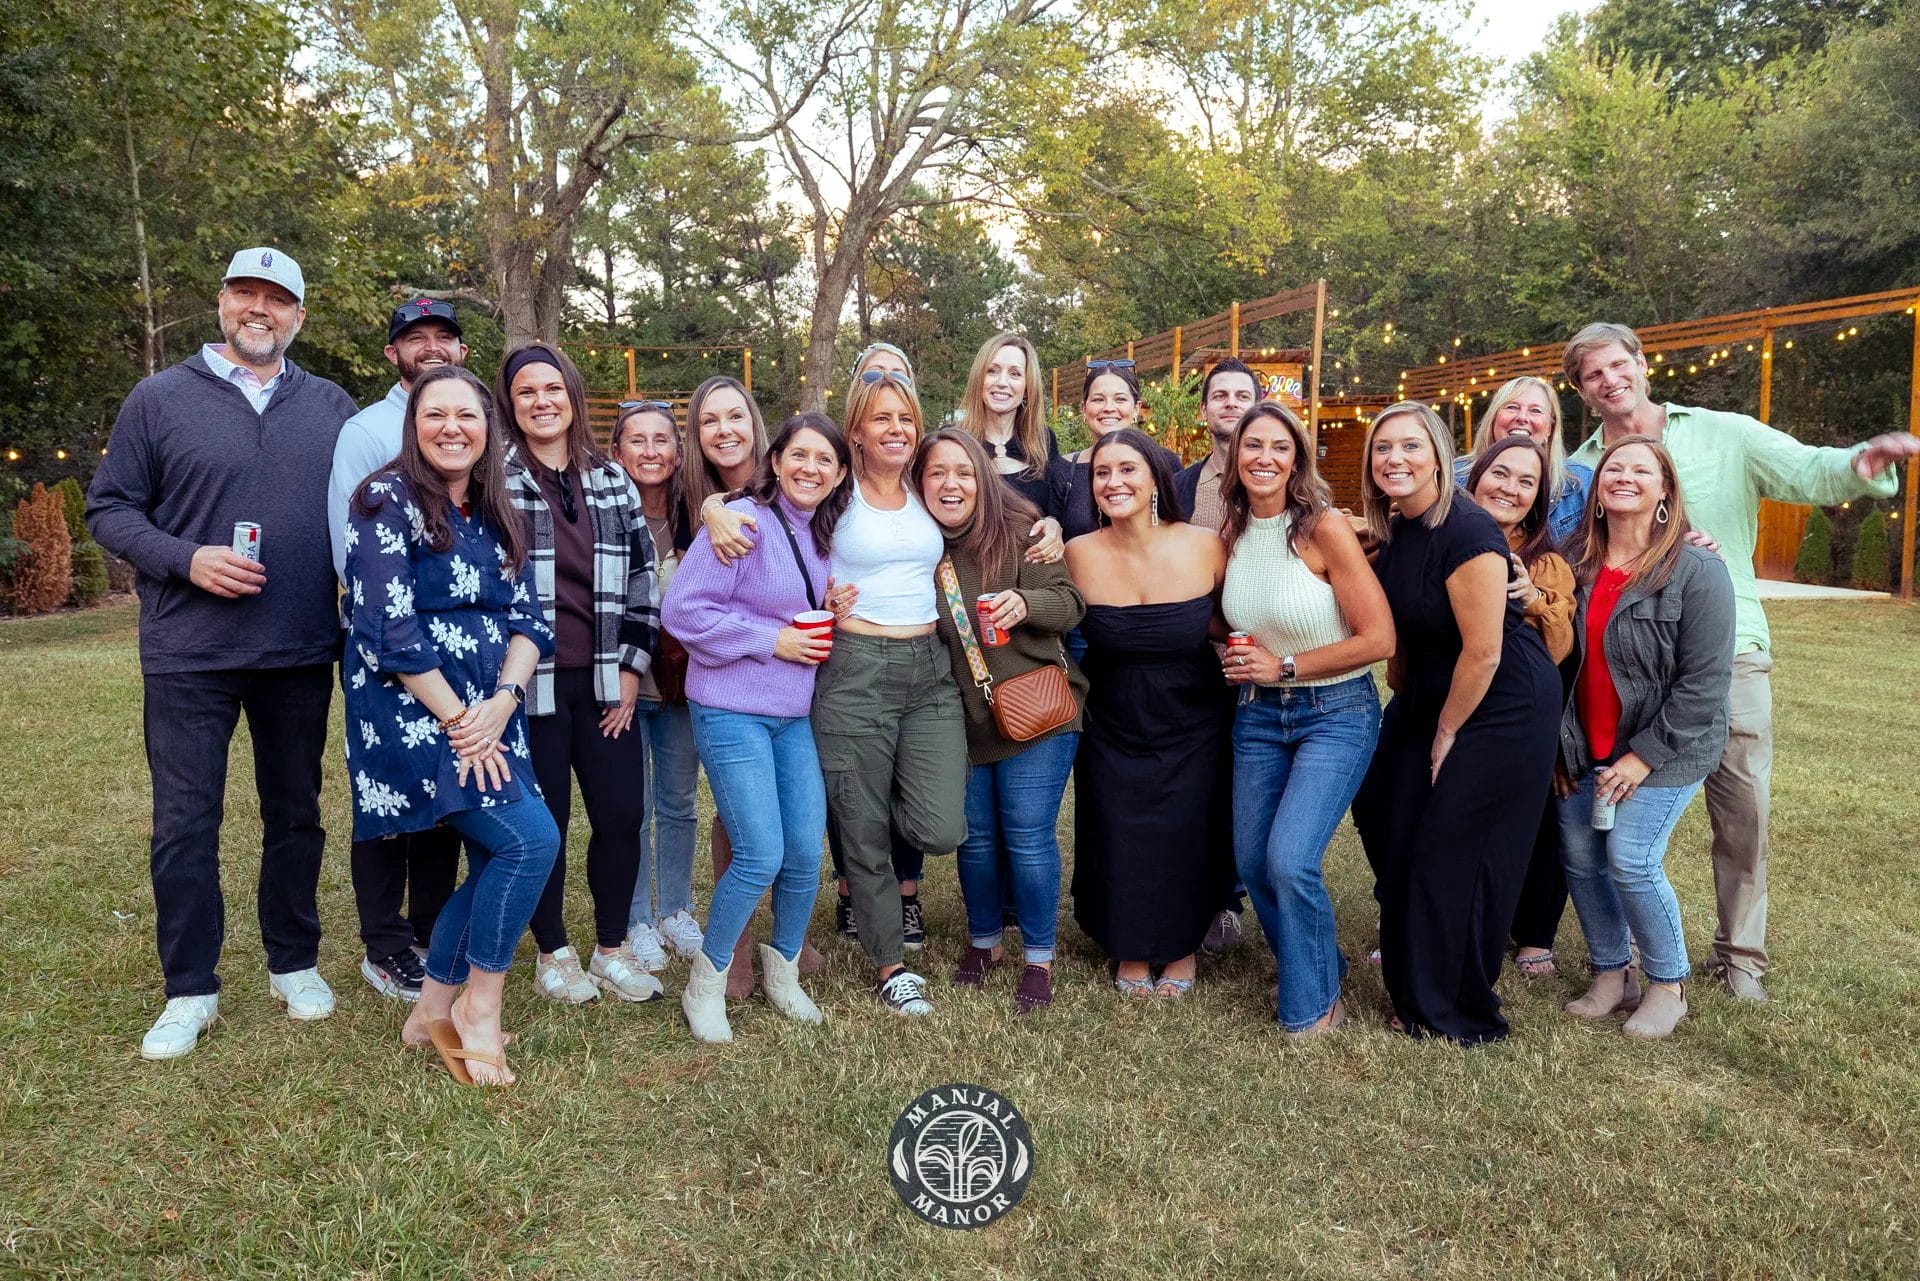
(269,264)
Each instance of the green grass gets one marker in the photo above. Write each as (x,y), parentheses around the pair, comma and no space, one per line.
(1172,1140)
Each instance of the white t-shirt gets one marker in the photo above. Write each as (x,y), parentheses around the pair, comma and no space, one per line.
(890,556)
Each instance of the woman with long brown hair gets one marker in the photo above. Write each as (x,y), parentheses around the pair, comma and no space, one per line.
(1510,481)
(1300,588)
(1011,854)
(445,629)
(1647,724)
(593,563)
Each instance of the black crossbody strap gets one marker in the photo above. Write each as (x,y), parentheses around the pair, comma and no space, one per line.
(813,601)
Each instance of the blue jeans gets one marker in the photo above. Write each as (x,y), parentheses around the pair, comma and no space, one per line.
(510,854)
(1298,758)
(1013,808)
(1618,880)
(666,833)
(765,776)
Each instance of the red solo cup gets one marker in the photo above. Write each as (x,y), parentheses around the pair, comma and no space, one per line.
(818,622)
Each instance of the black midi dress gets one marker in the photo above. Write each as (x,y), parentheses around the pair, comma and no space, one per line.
(1151,824)
(1449,855)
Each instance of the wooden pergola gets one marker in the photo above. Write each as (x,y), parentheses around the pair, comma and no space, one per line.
(1163,350)
(1461,380)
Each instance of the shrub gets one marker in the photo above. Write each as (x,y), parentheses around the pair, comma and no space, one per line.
(1870,572)
(89,574)
(12,490)
(11,550)
(43,575)
(120,573)
(73,505)
(1814,564)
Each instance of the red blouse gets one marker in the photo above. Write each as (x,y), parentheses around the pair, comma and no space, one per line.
(1595,697)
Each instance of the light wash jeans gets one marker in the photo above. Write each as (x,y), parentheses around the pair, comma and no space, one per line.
(1013,808)
(765,776)
(510,854)
(1618,880)
(1299,755)
(665,883)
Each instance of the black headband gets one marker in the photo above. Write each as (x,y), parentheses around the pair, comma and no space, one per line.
(534,355)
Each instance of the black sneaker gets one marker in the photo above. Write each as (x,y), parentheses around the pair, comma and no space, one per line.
(398,976)
(843,922)
(905,993)
(913,926)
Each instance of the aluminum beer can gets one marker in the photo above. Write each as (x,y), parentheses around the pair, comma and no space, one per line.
(1602,810)
(246,540)
(990,635)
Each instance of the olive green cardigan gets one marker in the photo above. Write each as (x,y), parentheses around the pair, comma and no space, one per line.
(1054,607)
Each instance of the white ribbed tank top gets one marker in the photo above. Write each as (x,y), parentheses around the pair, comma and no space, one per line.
(1271,594)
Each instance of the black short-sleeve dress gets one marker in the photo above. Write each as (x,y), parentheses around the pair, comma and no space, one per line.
(1449,855)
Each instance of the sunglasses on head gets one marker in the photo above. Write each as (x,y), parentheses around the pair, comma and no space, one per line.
(874,377)
(660,405)
(1110,364)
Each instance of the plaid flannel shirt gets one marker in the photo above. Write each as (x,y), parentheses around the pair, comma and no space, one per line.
(626,590)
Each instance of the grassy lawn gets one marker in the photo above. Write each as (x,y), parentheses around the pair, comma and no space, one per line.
(1172,1140)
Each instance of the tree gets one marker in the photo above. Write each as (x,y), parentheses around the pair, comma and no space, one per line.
(1870,571)
(43,573)
(1814,564)
(924,91)
(936,286)
(1703,43)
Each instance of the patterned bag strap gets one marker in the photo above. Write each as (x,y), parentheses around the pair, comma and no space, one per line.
(963,623)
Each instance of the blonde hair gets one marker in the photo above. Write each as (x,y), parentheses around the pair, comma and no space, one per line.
(1555,478)
(1029,424)
(1653,566)
(860,395)
(1374,504)
(1592,338)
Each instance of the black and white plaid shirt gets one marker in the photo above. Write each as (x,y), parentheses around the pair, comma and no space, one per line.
(626,590)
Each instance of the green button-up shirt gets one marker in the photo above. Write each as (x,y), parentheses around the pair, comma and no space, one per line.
(1727,463)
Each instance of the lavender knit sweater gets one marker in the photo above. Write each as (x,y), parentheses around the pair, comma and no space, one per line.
(728,616)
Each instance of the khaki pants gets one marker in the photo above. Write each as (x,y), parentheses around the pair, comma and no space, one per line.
(1737,803)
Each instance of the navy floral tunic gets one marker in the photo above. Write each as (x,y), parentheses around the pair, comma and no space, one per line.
(414,609)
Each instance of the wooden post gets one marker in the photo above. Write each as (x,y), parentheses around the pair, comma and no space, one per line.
(746,368)
(1466,425)
(1233,330)
(1175,377)
(1766,375)
(1129,349)
(1313,382)
(633,381)
(1055,399)
(1913,467)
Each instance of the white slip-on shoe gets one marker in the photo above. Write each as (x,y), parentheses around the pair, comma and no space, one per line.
(561,979)
(705,1002)
(780,980)
(644,942)
(304,993)
(620,973)
(179,1026)
(682,932)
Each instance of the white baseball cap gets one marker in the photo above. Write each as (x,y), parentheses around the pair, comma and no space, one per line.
(267,263)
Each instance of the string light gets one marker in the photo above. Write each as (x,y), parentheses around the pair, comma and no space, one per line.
(1526,351)
(13,455)
(1456,342)
(1443,360)
(61,454)
(1789,344)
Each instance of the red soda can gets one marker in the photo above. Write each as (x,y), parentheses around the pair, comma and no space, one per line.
(246,540)
(1239,640)
(989,634)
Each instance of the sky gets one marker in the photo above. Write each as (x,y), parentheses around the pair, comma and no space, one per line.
(1512,29)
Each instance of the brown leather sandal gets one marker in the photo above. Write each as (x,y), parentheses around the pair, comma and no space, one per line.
(454,1054)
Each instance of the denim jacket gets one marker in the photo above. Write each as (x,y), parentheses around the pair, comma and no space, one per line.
(1670,653)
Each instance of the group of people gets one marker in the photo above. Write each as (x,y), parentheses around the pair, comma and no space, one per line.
(903,639)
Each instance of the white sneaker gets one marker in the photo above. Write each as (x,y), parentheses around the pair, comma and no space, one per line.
(562,979)
(179,1026)
(304,993)
(682,933)
(619,972)
(905,993)
(644,942)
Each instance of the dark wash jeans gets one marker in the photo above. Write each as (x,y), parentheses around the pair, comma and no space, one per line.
(189,721)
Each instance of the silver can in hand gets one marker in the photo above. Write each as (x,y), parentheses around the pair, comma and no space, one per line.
(246,540)
(1603,808)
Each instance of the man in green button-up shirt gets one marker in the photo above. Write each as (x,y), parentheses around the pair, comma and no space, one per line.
(1727,463)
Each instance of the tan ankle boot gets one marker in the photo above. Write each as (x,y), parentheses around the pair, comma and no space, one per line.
(740,980)
(1661,1010)
(1603,996)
